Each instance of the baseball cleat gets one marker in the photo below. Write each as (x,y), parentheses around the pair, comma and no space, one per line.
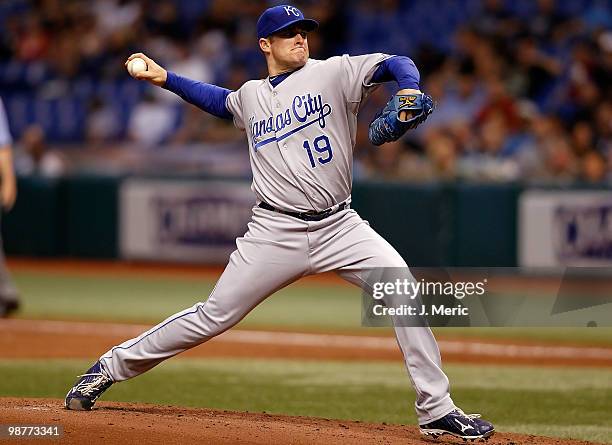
(83,395)
(8,307)
(457,423)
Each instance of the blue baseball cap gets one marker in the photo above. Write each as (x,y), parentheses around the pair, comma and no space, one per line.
(280,17)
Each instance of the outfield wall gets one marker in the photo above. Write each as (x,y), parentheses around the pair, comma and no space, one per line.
(195,220)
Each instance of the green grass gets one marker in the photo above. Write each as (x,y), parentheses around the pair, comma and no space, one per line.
(303,306)
(151,299)
(568,402)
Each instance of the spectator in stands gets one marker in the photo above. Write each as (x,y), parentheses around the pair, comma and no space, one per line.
(151,122)
(499,102)
(593,168)
(559,162)
(548,22)
(442,152)
(161,18)
(32,156)
(603,125)
(537,70)
(113,16)
(102,123)
(458,96)
(214,47)
(389,163)
(9,297)
(582,138)
(33,41)
(494,136)
(496,20)
(189,64)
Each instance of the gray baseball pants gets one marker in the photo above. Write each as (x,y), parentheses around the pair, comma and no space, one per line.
(8,291)
(277,250)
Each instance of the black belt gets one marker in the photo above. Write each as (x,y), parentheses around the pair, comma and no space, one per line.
(310,215)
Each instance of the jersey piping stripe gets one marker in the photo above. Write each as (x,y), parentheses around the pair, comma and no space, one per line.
(160,327)
(326,112)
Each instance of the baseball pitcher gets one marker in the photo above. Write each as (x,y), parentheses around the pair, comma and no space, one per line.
(300,124)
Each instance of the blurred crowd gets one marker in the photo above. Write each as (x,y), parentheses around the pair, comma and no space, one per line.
(522,87)
(517,99)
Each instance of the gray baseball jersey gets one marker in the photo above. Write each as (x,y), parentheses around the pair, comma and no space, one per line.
(301,133)
(301,136)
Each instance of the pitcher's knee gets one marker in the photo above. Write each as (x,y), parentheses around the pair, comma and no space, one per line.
(215,321)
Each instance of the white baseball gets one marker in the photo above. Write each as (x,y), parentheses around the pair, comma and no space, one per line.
(136,65)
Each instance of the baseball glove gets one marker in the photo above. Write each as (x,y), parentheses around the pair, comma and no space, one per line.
(387,126)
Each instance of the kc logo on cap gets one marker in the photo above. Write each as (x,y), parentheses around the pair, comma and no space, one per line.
(290,9)
(280,17)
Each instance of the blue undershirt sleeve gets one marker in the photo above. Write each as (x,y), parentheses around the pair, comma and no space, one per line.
(205,96)
(399,68)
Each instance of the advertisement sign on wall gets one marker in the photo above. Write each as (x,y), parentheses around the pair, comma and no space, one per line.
(182,221)
(559,228)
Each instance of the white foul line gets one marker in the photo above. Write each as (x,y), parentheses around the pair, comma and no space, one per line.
(464,346)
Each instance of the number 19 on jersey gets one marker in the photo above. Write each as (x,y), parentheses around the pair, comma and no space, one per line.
(323,150)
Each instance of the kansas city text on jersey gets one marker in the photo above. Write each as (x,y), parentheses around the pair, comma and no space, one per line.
(305,109)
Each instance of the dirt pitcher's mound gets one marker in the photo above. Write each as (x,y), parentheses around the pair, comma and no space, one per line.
(128,423)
